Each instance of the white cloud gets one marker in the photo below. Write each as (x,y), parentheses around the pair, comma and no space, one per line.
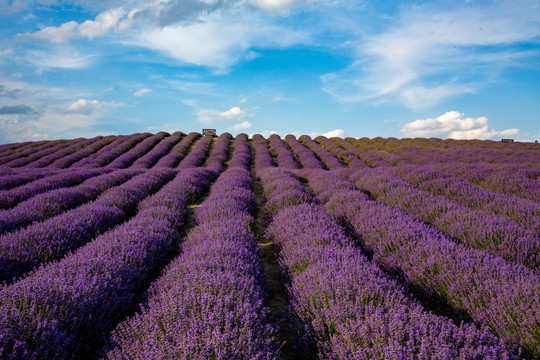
(32,111)
(59,34)
(427,54)
(278,99)
(59,58)
(48,123)
(219,39)
(241,126)
(207,116)
(234,113)
(83,106)
(128,22)
(90,29)
(242,99)
(273,4)
(141,92)
(208,33)
(102,24)
(333,133)
(455,126)
(417,97)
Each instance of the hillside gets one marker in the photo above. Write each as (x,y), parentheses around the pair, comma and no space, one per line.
(158,246)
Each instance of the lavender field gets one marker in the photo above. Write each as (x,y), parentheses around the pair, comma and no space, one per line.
(182,246)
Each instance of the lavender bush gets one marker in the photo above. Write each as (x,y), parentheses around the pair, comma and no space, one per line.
(352,309)
(73,303)
(178,152)
(209,302)
(42,242)
(495,293)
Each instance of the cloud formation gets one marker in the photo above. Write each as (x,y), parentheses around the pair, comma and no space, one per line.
(218,40)
(58,58)
(141,92)
(455,125)
(83,106)
(207,116)
(234,119)
(273,4)
(429,54)
(209,33)
(47,123)
(241,126)
(333,133)
(90,29)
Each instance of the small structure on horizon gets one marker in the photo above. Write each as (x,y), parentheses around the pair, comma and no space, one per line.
(507,140)
(211,132)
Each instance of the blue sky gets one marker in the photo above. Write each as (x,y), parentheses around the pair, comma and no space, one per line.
(459,69)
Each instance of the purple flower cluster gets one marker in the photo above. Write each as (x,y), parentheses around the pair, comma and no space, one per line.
(307,158)
(414,154)
(21,177)
(502,296)
(494,180)
(366,157)
(10,149)
(42,242)
(524,212)
(178,152)
(111,151)
(219,153)
(75,146)
(241,153)
(263,159)
(150,158)
(284,156)
(70,305)
(346,156)
(88,225)
(352,309)
(480,173)
(24,150)
(208,304)
(56,201)
(488,153)
(374,148)
(495,234)
(22,161)
(197,154)
(68,160)
(281,190)
(329,160)
(10,198)
(127,158)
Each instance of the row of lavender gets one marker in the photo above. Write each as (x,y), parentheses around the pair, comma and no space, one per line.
(503,311)
(519,158)
(514,173)
(64,309)
(209,301)
(55,230)
(503,225)
(346,307)
(499,294)
(121,152)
